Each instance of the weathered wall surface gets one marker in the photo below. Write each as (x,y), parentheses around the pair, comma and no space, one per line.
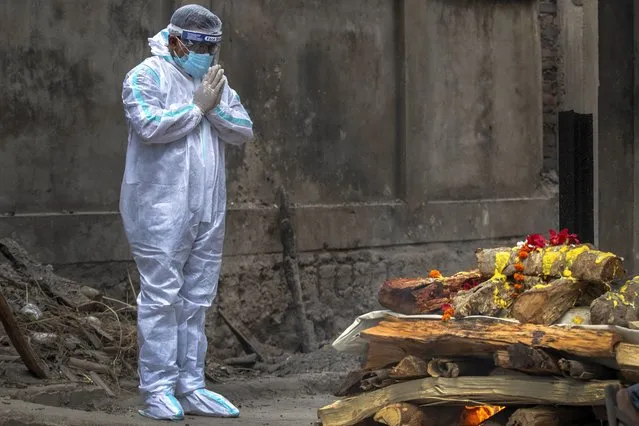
(407,132)
(550,52)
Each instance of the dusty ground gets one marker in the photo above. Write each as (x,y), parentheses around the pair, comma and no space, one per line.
(288,395)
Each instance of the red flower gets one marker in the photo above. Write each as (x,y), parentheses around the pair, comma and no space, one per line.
(470,284)
(562,237)
(573,239)
(536,241)
(446,306)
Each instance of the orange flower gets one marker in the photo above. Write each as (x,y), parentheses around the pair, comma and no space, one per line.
(518,276)
(523,254)
(435,274)
(519,267)
(448,314)
(518,287)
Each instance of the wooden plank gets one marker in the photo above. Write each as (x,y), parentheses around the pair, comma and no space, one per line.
(497,390)
(481,337)
(627,356)
(20,343)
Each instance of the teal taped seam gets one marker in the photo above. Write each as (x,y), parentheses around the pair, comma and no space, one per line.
(145,106)
(233,120)
(230,409)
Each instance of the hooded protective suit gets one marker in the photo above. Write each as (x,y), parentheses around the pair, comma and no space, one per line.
(173,202)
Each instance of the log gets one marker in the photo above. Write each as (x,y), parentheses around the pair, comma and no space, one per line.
(411,367)
(451,368)
(491,298)
(29,356)
(376,380)
(627,356)
(479,337)
(88,366)
(246,360)
(383,355)
(400,414)
(580,262)
(547,303)
(528,360)
(629,377)
(363,381)
(617,308)
(550,416)
(350,385)
(498,390)
(250,345)
(292,276)
(582,370)
(67,291)
(414,296)
(97,380)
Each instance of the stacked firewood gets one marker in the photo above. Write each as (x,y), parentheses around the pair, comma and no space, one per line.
(513,344)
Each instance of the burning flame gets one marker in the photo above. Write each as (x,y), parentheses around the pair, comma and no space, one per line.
(475,416)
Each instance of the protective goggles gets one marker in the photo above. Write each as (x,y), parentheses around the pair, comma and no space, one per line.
(195,39)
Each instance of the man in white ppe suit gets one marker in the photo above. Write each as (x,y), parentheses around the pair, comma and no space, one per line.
(181,112)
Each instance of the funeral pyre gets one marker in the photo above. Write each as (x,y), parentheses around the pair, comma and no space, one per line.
(533,335)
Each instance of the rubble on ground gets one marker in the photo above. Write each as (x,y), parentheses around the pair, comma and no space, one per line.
(62,329)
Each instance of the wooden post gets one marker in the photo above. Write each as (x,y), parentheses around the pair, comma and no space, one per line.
(292,276)
(28,355)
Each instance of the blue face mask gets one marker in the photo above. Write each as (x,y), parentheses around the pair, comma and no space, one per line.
(195,64)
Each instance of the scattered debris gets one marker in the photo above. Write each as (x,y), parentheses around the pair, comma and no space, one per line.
(60,327)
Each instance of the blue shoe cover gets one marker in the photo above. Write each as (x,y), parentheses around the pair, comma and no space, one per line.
(162,406)
(202,402)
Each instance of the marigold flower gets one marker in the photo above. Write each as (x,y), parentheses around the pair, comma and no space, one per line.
(435,274)
(518,287)
(448,314)
(519,267)
(519,276)
(523,254)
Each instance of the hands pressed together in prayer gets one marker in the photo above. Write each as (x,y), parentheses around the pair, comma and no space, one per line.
(208,94)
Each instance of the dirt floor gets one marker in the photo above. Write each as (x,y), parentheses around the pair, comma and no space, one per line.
(288,394)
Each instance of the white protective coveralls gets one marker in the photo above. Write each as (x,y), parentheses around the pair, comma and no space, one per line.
(173,202)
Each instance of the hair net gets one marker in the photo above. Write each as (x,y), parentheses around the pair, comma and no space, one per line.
(194,17)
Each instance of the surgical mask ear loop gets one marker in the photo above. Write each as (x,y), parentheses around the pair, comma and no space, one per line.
(188,51)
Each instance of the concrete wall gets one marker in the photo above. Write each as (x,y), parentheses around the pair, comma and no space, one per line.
(407,132)
(550,57)
(598,76)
